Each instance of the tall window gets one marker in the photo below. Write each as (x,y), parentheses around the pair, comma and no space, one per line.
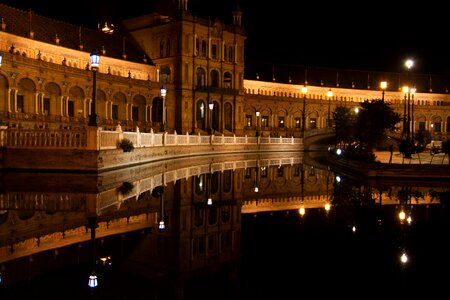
(164,74)
(214,51)
(115,112)
(20,106)
(204,49)
(201,75)
(227,83)
(197,47)
(167,47)
(46,106)
(228,117)
(281,122)
(71,108)
(135,113)
(214,78)
(248,120)
(297,122)
(265,121)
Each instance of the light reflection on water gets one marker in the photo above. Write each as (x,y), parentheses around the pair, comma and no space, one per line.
(223,239)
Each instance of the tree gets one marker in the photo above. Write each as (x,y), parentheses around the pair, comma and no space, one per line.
(375,118)
(359,132)
(345,129)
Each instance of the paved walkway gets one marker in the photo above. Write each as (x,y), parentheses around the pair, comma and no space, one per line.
(417,158)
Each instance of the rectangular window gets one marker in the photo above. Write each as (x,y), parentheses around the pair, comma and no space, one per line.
(421,126)
(70,108)
(281,122)
(280,172)
(46,106)
(214,51)
(135,113)
(115,112)
(297,122)
(265,121)
(248,173)
(20,107)
(248,120)
(297,171)
(264,172)
(436,126)
(313,123)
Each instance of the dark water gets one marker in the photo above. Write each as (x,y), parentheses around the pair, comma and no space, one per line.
(275,254)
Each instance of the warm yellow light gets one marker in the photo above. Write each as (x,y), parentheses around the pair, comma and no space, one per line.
(404,258)
(405,89)
(402,215)
(413,90)
(409,63)
(383,85)
(327,206)
(330,93)
(304,90)
(302,211)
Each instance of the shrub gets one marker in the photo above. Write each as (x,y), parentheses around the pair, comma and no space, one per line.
(126,145)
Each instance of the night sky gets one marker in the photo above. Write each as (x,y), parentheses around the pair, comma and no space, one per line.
(376,36)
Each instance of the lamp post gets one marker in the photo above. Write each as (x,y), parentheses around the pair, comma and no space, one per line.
(329,95)
(408,149)
(413,90)
(163,91)
(383,86)
(211,108)
(257,122)
(95,62)
(304,91)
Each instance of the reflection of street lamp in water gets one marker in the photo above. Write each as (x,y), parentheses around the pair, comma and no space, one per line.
(92,283)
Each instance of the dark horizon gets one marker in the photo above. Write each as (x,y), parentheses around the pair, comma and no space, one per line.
(332,35)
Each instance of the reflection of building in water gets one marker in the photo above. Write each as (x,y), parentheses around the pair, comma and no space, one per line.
(280,187)
(203,201)
(41,213)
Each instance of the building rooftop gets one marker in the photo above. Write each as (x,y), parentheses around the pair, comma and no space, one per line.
(20,23)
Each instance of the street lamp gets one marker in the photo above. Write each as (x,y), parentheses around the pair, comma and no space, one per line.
(413,90)
(329,95)
(383,86)
(163,91)
(257,122)
(211,107)
(304,91)
(95,62)
(408,149)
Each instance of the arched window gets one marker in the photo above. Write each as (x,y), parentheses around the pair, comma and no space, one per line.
(201,115)
(200,78)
